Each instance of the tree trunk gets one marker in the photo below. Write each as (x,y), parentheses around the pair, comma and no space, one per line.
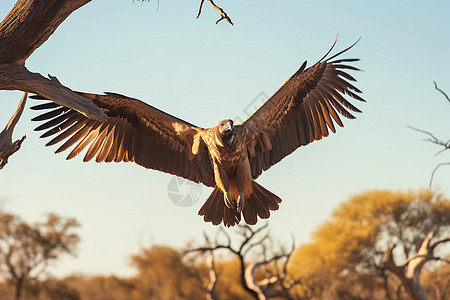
(409,272)
(19,285)
(244,281)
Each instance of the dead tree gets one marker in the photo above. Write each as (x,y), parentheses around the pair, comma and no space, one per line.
(445,145)
(7,147)
(26,250)
(410,270)
(276,283)
(26,27)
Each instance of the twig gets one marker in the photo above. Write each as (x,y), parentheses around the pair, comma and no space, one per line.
(442,92)
(435,169)
(436,141)
(223,14)
(433,140)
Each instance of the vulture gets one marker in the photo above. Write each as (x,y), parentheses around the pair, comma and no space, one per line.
(228,157)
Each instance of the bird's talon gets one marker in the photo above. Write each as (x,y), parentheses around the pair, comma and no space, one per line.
(240,203)
(228,201)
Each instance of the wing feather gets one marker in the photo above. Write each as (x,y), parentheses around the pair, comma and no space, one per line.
(97,143)
(303,110)
(132,131)
(85,141)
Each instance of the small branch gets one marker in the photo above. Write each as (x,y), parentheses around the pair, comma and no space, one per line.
(441,241)
(434,171)
(7,147)
(433,139)
(251,235)
(223,14)
(257,243)
(205,249)
(442,92)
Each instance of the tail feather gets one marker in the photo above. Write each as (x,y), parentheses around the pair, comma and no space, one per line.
(214,210)
(271,198)
(249,213)
(217,211)
(261,206)
(260,203)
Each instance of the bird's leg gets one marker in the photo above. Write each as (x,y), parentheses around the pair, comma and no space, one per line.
(243,180)
(222,182)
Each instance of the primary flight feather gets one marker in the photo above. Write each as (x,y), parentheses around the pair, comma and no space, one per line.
(228,157)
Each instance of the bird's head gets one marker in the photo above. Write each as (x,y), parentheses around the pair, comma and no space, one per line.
(225,129)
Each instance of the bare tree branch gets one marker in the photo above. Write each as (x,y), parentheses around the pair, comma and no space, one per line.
(7,147)
(442,92)
(434,171)
(223,14)
(433,139)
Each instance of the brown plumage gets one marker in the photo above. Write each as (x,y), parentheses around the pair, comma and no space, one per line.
(227,157)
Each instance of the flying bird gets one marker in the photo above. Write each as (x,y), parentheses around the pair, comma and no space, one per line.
(228,157)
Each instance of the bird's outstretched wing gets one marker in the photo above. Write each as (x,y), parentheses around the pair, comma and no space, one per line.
(132,131)
(301,111)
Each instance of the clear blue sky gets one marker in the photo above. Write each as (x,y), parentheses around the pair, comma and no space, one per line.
(203,73)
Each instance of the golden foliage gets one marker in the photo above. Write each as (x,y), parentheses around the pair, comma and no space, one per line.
(359,231)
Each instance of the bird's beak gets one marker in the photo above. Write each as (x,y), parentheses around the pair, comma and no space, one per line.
(227,127)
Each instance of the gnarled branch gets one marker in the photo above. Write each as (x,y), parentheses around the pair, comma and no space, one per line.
(7,147)
(17,77)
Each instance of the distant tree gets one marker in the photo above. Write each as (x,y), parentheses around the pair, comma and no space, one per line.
(163,275)
(26,250)
(348,252)
(99,287)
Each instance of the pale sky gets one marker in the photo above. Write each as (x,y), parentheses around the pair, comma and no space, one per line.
(203,73)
